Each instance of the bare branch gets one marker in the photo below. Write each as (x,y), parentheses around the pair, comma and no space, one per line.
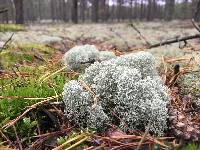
(195,25)
(3,10)
(3,47)
(167,42)
(142,37)
(117,34)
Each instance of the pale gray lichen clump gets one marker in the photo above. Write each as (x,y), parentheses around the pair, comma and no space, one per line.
(129,86)
(80,57)
(190,83)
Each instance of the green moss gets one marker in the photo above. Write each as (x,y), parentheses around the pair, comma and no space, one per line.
(191,147)
(24,52)
(33,46)
(14,90)
(11,27)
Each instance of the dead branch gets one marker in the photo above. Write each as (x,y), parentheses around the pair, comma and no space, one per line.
(3,47)
(167,42)
(3,10)
(195,25)
(118,35)
(138,31)
(13,122)
(144,136)
(17,137)
(42,138)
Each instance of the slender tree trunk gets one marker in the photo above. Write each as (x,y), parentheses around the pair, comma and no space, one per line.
(95,10)
(19,11)
(196,8)
(169,9)
(74,11)
(103,10)
(149,11)
(131,10)
(141,10)
(82,11)
(119,10)
(39,10)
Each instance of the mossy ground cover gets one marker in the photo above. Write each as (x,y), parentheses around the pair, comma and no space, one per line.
(11,27)
(25,53)
(21,87)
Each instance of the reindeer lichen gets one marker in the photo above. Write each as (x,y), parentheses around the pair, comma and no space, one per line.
(127,86)
(80,57)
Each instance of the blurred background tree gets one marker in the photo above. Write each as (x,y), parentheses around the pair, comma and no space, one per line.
(30,11)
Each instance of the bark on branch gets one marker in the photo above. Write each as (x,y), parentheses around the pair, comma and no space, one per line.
(3,10)
(167,42)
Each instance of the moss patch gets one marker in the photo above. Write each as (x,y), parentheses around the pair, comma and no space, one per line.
(11,27)
(24,53)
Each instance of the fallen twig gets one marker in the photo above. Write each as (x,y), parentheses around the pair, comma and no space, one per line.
(92,92)
(144,136)
(134,27)
(3,10)
(17,137)
(3,47)
(6,138)
(195,25)
(117,34)
(81,138)
(44,137)
(167,42)
(13,122)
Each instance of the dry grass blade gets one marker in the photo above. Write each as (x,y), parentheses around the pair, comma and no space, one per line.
(76,144)
(43,78)
(13,122)
(90,90)
(82,137)
(144,136)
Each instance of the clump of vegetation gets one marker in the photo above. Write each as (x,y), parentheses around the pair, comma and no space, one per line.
(11,27)
(128,85)
(80,57)
(28,90)
(190,83)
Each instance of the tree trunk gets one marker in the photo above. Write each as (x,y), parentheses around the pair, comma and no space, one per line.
(74,11)
(119,10)
(95,10)
(141,10)
(19,11)
(169,9)
(196,7)
(103,10)
(149,11)
(82,11)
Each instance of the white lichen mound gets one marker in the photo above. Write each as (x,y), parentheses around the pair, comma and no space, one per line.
(128,86)
(80,57)
(106,55)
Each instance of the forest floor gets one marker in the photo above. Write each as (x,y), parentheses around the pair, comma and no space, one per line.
(31,89)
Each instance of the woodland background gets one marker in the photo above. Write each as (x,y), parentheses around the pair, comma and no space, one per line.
(76,11)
